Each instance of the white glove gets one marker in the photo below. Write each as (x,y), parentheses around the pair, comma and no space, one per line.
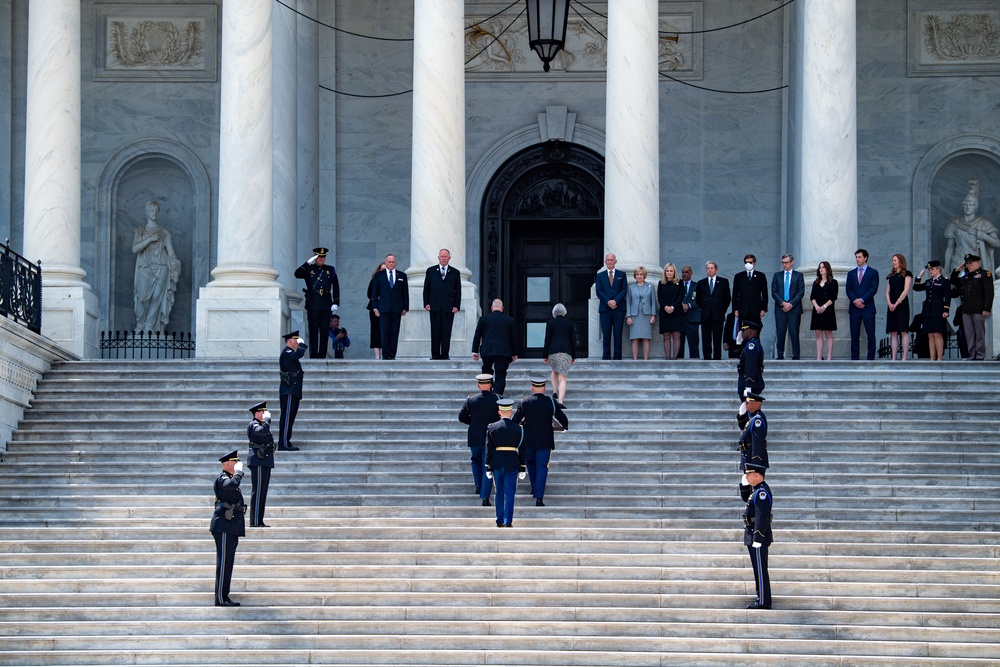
(334,308)
(522,475)
(743,408)
(267,415)
(739,338)
(238,467)
(746,391)
(312,260)
(489,474)
(756,545)
(301,342)
(743,481)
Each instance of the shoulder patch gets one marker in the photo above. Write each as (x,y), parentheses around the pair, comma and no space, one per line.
(758,421)
(762,495)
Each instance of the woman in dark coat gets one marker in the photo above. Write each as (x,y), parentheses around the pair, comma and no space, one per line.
(375,334)
(937,303)
(559,350)
(670,297)
(824,320)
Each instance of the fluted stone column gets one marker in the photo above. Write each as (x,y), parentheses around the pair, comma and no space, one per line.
(52,175)
(309,139)
(437,217)
(632,157)
(242,311)
(285,166)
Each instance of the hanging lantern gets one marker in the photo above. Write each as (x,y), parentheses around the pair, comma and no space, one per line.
(547,21)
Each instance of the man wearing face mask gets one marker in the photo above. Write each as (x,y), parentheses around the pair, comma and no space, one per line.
(750,292)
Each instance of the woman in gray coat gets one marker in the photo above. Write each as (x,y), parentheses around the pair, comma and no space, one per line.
(640,312)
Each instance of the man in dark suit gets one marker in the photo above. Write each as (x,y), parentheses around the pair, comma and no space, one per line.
(390,300)
(862,283)
(496,342)
(692,313)
(322,291)
(788,288)
(750,291)
(713,297)
(611,287)
(442,299)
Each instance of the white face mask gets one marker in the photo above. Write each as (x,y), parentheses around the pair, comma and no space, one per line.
(749,266)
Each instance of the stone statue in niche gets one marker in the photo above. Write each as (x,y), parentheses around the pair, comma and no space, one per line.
(157,270)
(972,233)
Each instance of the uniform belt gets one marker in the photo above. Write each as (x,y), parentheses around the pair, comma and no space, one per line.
(506,449)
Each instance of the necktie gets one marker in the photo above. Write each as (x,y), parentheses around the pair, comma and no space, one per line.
(861,274)
(788,277)
(392,279)
(444,272)
(611,277)
(711,285)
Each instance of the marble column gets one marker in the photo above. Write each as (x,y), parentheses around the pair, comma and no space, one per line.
(308,136)
(242,311)
(437,193)
(632,156)
(52,175)
(285,166)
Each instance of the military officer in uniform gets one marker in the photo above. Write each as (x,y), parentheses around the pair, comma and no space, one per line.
(505,460)
(536,414)
(757,534)
(322,291)
(290,370)
(753,440)
(479,411)
(976,285)
(260,461)
(751,365)
(227,525)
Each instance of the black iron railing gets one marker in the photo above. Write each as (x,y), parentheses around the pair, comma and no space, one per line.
(20,289)
(146,345)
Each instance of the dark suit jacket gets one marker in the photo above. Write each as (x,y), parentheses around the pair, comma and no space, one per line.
(713,304)
(693,313)
(442,294)
(611,292)
(866,290)
(496,336)
(749,295)
(560,336)
(535,414)
(391,300)
(796,290)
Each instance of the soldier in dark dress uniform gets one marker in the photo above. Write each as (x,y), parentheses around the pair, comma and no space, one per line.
(227,525)
(535,414)
(505,460)
(290,369)
(479,411)
(322,290)
(757,534)
(751,365)
(976,287)
(753,440)
(260,461)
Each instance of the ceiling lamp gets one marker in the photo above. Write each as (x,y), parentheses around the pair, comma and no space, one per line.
(547,21)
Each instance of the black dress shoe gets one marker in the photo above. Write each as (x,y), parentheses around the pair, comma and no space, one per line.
(262,525)
(291,448)
(758,605)
(477,490)
(230,603)
(539,503)
(499,525)
(507,525)
(486,502)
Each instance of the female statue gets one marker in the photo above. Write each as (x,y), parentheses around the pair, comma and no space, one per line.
(971,234)
(157,270)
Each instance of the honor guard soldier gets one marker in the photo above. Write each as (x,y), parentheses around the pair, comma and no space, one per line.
(290,369)
(322,291)
(537,414)
(753,440)
(479,411)
(757,534)
(260,461)
(227,525)
(976,285)
(751,365)
(505,460)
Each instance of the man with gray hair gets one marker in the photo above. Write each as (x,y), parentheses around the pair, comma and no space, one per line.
(495,341)
(788,288)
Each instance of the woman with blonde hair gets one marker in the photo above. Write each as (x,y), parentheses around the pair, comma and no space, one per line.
(670,296)
(640,312)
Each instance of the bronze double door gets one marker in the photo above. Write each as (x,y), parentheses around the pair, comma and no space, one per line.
(550,262)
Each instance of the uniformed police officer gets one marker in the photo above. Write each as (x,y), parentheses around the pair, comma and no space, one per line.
(976,285)
(227,525)
(753,440)
(290,370)
(479,411)
(505,460)
(757,534)
(322,290)
(260,461)
(751,365)
(536,414)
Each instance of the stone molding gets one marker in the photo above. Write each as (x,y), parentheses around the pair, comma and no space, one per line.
(953,38)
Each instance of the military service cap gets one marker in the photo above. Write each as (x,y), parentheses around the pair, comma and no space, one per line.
(231,456)
(751,324)
(260,407)
(505,404)
(931,264)
(538,380)
(753,467)
(972,258)
(291,334)
(320,252)
(750,396)
(484,378)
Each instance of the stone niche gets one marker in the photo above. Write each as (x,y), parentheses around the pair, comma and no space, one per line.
(948,190)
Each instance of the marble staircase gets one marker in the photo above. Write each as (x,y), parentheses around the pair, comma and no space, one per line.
(886,520)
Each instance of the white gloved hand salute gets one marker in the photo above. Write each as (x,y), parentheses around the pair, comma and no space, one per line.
(301,342)
(267,415)
(312,260)
(238,468)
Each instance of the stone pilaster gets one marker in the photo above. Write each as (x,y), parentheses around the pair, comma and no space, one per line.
(52,175)
(437,218)
(285,166)
(242,311)
(309,141)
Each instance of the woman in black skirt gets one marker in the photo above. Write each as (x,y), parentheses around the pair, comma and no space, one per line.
(824,319)
(937,303)
(897,297)
(375,334)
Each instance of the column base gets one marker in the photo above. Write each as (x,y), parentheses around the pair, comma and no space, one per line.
(415,328)
(234,321)
(69,318)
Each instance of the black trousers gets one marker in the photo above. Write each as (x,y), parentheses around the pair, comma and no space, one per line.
(289,408)
(711,338)
(691,336)
(497,367)
(758,559)
(319,332)
(388,324)
(261,477)
(225,553)
(441,323)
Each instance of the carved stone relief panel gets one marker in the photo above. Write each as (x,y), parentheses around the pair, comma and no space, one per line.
(953,38)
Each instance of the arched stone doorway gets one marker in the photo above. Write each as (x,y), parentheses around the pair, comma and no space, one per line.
(542,237)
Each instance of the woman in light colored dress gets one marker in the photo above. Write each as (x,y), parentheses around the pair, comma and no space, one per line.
(559,350)
(640,311)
